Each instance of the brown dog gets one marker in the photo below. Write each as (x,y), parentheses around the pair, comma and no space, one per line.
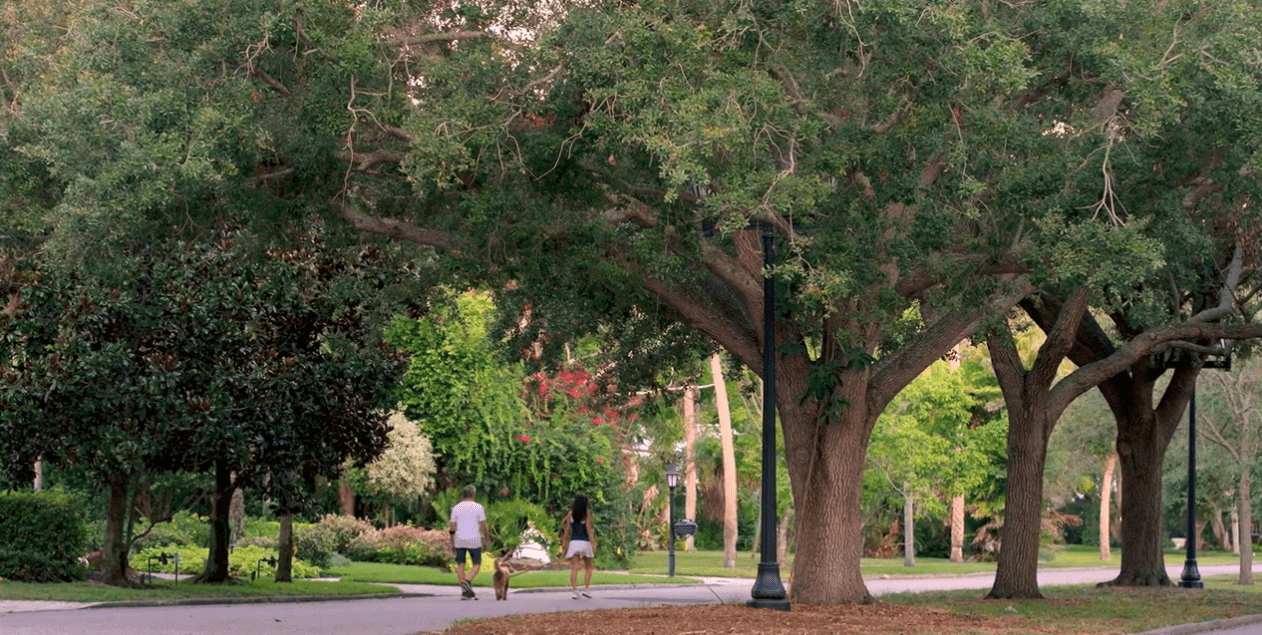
(502,575)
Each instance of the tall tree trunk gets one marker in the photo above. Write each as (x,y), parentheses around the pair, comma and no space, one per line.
(1245,532)
(1141,456)
(217,568)
(114,562)
(39,476)
(909,527)
(236,516)
(1031,418)
(1234,529)
(1106,508)
(285,544)
(957,528)
(730,518)
(1016,573)
(826,469)
(1220,529)
(346,497)
(690,460)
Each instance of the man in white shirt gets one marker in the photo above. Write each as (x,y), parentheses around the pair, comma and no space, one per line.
(468,532)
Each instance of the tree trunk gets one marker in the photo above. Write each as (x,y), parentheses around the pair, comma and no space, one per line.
(114,562)
(782,535)
(909,527)
(285,543)
(1141,456)
(957,528)
(1106,508)
(730,517)
(1234,530)
(690,461)
(236,515)
(346,497)
(1016,573)
(1245,532)
(826,469)
(1031,417)
(39,476)
(217,567)
(1220,529)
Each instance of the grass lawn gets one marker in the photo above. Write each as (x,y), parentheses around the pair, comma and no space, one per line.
(167,590)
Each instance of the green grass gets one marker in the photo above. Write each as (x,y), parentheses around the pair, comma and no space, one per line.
(710,563)
(402,574)
(1085,608)
(168,590)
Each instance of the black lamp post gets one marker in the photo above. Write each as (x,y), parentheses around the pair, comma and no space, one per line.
(672,479)
(1191,578)
(768,591)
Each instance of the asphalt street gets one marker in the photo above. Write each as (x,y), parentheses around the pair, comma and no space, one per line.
(426,608)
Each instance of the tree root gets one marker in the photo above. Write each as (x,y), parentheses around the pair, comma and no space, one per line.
(1157,578)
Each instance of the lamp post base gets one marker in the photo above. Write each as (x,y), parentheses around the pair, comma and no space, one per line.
(768,592)
(1191,576)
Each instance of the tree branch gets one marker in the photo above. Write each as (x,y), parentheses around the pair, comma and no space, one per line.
(392,228)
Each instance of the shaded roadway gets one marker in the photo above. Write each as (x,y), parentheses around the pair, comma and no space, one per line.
(420,608)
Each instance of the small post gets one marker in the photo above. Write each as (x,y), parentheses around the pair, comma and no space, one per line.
(672,479)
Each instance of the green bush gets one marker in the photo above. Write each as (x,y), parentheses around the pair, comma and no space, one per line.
(402,544)
(42,537)
(266,542)
(343,529)
(163,535)
(316,543)
(28,566)
(242,562)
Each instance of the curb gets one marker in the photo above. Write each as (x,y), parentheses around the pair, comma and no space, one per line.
(271,599)
(1204,627)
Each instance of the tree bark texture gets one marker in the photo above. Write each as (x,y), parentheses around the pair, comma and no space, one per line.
(1016,573)
(730,517)
(957,528)
(690,461)
(826,469)
(217,567)
(114,562)
(1245,533)
(1140,455)
(909,527)
(285,546)
(1106,507)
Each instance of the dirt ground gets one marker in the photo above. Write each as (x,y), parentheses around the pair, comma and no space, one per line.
(878,619)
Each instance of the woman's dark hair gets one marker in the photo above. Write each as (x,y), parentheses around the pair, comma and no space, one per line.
(579,511)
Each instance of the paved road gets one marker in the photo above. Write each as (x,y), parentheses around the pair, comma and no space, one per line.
(429,608)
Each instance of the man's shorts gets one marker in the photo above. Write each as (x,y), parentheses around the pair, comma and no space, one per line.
(475,554)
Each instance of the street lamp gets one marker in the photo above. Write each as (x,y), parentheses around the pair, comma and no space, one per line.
(672,479)
(768,591)
(1191,578)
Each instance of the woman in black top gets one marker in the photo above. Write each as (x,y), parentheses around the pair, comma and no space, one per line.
(578,543)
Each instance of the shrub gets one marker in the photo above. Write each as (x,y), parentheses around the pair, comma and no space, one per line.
(316,544)
(401,544)
(242,562)
(163,535)
(42,537)
(344,529)
(266,542)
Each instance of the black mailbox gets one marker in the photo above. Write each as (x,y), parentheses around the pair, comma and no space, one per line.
(685,528)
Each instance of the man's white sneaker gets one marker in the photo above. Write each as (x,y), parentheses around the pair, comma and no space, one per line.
(575,595)
(587,595)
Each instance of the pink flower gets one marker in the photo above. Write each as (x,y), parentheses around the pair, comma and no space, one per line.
(524,438)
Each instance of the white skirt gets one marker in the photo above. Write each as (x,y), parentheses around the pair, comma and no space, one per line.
(580,548)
